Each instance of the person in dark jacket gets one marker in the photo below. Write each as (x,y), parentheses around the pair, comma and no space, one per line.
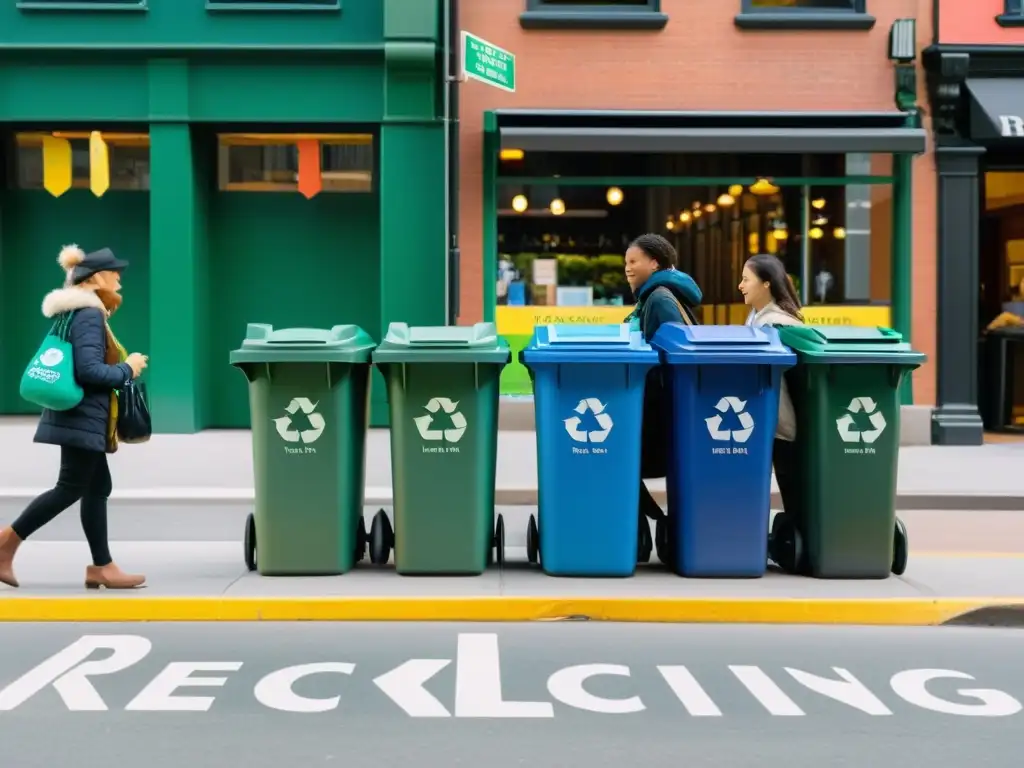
(87,432)
(663,295)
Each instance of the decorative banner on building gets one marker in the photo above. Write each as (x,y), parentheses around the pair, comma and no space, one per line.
(310,181)
(99,164)
(56,165)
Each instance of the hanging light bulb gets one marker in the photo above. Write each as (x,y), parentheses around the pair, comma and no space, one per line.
(818,203)
(816,233)
(697,213)
(614,196)
(725,200)
(670,224)
(839,233)
(736,190)
(710,208)
(558,206)
(763,187)
(685,217)
(520,203)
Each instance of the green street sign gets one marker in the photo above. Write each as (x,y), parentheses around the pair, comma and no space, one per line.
(488,63)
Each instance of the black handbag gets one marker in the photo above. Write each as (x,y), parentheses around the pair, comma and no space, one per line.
(134,424)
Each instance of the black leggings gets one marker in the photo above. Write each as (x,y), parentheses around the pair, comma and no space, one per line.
(84,475)
(785,460)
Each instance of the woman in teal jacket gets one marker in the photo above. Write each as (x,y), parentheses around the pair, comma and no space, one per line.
(663,295)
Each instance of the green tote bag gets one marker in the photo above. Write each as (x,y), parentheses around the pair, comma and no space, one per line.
(49,380)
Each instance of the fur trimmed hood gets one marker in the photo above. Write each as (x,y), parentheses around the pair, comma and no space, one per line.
(68,299)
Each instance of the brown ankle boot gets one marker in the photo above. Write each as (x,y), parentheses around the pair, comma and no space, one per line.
(9,543)
(111,577)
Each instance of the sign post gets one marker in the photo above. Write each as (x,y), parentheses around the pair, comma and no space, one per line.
(488,63)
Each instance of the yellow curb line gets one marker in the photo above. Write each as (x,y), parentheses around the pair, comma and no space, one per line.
(882,611)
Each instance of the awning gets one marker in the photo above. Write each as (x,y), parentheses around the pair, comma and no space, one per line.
(707,132)
(997,108)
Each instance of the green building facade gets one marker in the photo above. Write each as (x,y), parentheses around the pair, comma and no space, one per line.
(204,106)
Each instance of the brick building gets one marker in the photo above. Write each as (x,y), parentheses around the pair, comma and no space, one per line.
(730,126)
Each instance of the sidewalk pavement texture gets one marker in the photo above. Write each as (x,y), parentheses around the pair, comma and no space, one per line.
(215,466)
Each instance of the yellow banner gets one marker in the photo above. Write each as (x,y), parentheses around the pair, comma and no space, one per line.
(520,321)
(56,165)
(99,164)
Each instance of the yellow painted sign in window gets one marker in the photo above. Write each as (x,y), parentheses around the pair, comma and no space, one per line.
(99,164)
(56,165)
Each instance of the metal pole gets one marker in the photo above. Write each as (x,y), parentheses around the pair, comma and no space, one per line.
(451,144)
(902,256)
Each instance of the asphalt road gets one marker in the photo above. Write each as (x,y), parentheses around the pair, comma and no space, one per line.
(544,695)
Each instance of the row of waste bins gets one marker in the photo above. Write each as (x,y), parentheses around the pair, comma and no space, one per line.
(309,400)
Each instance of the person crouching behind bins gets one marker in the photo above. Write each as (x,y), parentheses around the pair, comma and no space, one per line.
(663,295)
(768,292)
(87,432)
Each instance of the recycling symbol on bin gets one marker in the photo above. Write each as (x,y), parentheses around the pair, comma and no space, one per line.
(847,423)
(601,420)
(746,421)
(290,427)
(440,407)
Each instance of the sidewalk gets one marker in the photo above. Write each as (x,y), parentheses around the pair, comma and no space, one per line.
(217,466)
(206,581)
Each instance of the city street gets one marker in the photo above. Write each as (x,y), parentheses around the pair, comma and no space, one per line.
(550,694)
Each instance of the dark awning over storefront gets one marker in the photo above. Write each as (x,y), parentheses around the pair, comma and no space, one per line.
(747,132)
(997,108)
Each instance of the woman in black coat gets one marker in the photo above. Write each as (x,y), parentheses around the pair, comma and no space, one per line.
(85,433)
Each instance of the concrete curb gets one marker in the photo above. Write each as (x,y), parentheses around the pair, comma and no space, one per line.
(877,612)
(508,497)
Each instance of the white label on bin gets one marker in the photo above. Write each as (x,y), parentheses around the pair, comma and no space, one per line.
(744,425)
(590,426)
(855,428)
(300,424)
(433,428)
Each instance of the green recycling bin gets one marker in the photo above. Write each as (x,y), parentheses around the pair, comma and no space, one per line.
(840,517)
(309,400)
(443,386)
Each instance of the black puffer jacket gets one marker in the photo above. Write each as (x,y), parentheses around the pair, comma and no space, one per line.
(85,425)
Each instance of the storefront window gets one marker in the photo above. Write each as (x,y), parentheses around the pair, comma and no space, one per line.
(128,155)
(271,163)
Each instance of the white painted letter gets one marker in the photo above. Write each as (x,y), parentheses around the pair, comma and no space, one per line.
(157,696)
(910,686)
(849,690)
(767,692)
(686,688)
(478,683)
(404,686)
(275,690)
(69,672)
(566,685)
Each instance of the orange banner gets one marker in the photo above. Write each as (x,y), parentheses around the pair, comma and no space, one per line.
(310,181)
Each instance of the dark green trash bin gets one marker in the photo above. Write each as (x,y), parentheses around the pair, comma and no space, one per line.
(846,393)
(443,386)
(309,400)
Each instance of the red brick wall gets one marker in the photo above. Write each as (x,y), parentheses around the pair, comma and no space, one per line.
(974,21)
(700,61)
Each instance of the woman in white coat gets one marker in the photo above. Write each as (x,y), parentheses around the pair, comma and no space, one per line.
(768,292)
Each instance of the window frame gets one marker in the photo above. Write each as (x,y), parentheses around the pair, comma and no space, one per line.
(552,14)
(32,139)
(1012,15)
(854,18)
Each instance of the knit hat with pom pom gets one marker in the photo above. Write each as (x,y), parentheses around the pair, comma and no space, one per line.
(80,266)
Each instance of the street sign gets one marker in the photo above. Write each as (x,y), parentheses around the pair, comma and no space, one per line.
(488,63)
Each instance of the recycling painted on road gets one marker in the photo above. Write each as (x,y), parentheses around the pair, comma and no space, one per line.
(592,434)
(292,432)
(851,434)
(738,408)
(433,430)
(74,676)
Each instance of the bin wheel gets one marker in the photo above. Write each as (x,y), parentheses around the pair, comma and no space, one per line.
(499,541)
(361,538)
(900,549)
(644,544)
(532,541)
(661,543)
(382,538)
(787,544)
(249,542)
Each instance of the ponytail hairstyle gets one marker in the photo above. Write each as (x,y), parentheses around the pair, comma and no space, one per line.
(770,269)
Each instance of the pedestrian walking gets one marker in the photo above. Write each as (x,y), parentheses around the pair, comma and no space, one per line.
(87,432)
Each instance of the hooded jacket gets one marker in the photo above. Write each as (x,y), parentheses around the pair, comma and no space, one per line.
(87,425)
(656,300)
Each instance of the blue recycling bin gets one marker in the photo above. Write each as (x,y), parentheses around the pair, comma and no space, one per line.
(588,406)
(723,383)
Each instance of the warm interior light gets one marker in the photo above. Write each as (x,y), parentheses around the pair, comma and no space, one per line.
(520,203)
(670,224)
(726,200)
(697,213)
(684,217)
(818,203)
(820,221)
(696,205)
(816,233)
(511,154)
(558,206)
(780,234)
(763,187)
(736,190)
(840,233)
(614,196)
(710,208)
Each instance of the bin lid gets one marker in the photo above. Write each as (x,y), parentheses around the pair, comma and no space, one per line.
(479,343)
(831,344)
(340,344)
(564,343)
(681,344)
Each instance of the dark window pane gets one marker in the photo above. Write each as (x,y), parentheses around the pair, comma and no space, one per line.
(823,5)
